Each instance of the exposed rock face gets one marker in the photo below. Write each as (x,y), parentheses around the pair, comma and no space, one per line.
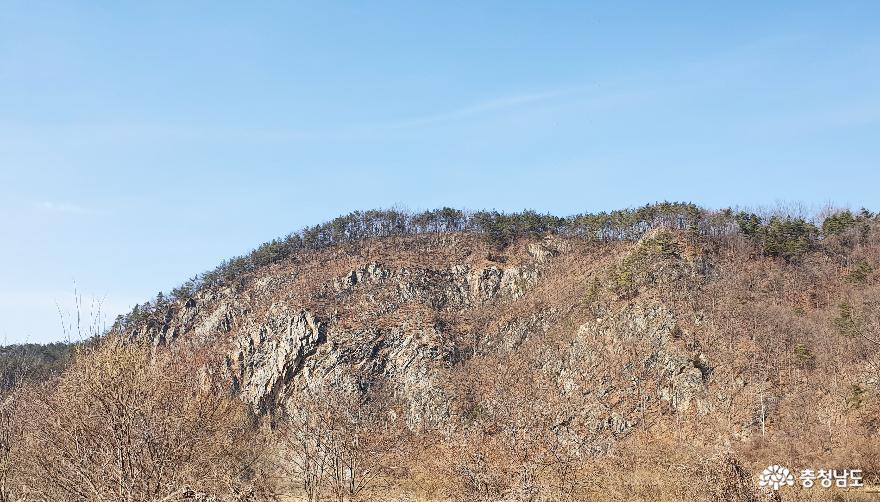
(268,358)
(687,383)
(546,249)
(396,322)
(407,323)
(372,272)
(492,282)
(626,362)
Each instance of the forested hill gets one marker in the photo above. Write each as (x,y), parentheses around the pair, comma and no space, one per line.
(656,354)
(779,233)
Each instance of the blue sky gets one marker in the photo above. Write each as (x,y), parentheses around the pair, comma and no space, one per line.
(143,142)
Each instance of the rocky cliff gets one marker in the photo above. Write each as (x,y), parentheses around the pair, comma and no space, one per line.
(408,312)
(560,362)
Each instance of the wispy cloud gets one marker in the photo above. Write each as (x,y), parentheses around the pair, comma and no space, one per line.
(487,106)
(62,207)
(104,133)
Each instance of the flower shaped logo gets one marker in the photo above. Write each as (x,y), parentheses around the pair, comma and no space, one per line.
(775,476)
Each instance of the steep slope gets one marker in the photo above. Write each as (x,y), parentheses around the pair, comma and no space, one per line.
(404,311)
(521,362)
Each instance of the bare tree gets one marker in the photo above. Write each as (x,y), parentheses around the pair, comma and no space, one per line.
(10,443)
(339,438)
(120,425)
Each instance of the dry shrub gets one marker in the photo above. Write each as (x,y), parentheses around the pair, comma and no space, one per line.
(122,424)
(666,471)
(340,440)
(11,424)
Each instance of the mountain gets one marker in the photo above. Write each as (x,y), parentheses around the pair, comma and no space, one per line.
(663,353)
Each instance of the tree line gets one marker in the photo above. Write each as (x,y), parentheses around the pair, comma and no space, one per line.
(24,362)
(788,237)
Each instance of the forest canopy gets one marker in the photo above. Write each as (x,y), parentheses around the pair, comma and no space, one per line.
(780,234)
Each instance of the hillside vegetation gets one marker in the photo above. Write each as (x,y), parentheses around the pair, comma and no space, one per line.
(20,363)
(663,353)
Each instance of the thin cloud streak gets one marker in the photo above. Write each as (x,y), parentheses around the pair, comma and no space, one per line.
(62,208)
(488,106)
(722,69)
(112,133)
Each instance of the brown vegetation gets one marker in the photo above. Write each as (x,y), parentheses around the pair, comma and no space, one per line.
(671,367)
(122,424)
